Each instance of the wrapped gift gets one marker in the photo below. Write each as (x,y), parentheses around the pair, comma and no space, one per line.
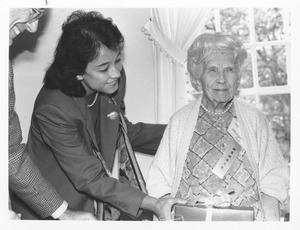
(199,212)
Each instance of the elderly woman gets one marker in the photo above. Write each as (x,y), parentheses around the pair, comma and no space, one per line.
(79,136)
(217,142)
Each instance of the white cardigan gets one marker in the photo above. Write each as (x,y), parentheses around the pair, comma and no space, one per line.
(262,149)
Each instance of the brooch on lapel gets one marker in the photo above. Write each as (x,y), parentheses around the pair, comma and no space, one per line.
(113,115)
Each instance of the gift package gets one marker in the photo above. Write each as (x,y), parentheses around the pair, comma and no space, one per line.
(199,212)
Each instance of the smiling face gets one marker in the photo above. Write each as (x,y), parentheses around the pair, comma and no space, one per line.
(102,74)
(22,19)
(220,79)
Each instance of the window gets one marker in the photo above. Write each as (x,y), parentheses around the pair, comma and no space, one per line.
(266,73)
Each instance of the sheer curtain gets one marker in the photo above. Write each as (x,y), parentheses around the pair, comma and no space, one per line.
(172,31)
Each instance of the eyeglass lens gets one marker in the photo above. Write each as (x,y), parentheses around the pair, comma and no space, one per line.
(37,14)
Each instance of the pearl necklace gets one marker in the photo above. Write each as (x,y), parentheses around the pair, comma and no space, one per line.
(217,113)
(94,101)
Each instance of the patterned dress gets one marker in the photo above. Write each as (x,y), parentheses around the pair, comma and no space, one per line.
(208,144)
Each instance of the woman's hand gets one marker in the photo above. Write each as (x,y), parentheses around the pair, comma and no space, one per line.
(13,216)
(162,206)
(76,215)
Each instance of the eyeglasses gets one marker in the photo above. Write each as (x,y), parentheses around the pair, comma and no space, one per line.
(36,14)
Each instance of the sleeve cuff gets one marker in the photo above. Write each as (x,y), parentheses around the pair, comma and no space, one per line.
(60,210)
(158,191)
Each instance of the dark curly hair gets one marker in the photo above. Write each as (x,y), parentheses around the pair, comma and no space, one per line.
(83,34)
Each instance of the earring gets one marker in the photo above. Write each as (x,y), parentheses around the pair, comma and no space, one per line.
(79,77)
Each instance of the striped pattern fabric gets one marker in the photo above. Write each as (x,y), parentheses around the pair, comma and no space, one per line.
(25,179)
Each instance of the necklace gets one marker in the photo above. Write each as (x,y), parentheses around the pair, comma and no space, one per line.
(94,101)
(217,113)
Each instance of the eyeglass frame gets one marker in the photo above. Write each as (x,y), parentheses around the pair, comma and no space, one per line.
(37,14)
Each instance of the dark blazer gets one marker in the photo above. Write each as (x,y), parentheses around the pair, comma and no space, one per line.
(25,179)
(62,137)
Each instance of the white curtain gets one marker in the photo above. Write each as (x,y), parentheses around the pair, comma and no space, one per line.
(172,31)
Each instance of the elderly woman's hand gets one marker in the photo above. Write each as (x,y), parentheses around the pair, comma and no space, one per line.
(162,206)
(271,208)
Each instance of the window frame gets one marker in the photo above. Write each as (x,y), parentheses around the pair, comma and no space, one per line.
(256,90)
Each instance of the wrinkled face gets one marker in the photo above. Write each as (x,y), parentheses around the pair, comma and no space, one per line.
(221,77)
(102,74)
(22,19)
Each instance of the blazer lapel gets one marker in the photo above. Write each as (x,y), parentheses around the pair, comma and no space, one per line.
(81,103)
(108,127)
(109,130)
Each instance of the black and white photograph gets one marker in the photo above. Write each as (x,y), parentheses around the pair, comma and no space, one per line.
(141,114)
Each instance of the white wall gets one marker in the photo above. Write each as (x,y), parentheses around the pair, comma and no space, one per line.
(30,62)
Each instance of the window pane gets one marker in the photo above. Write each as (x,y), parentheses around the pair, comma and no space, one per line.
(277,108)
(250,99)
(235,21)
(271,63)
(247,76)
(268,24)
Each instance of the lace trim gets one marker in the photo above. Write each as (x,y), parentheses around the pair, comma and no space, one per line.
(146,30)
